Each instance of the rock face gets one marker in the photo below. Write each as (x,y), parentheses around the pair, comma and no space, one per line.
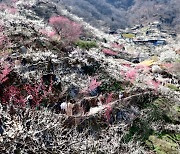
(23,50)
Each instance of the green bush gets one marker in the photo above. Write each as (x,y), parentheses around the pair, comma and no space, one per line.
(86,44)
(173,87)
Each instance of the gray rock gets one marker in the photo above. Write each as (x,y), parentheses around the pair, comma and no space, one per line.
(156,69)
(23,50)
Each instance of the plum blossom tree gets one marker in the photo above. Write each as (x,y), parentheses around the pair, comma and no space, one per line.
(154,83)
(68,30)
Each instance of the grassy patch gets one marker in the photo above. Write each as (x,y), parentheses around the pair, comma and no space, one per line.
(163,144)
(153,112)
(140,130)
(173,87)
(86,44)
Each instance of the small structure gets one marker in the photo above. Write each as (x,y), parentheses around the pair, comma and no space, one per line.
(150,41)
(136,27)
(112,32)
(128,35)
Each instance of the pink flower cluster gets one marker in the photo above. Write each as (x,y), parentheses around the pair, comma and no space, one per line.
(131,75)
(11,9)
(109,52)
(50,34)
(18,94)
(93,84)
(5,70)
(108,108)
(154,84)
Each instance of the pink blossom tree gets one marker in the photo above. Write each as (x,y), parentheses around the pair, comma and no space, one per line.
(13,94)
(9,8)
(68,30)
(131,75)
(49,34)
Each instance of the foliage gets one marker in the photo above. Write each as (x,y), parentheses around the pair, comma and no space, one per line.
(122,13)
(141,128)
(111,86)
(128,35)
(86,44)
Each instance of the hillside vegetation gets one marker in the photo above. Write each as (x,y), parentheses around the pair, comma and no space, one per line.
(67,87)
(123,13)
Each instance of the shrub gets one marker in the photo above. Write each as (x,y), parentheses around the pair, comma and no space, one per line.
(86,44)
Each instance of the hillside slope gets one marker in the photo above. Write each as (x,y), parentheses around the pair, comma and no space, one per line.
(120,14)
(95,93)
